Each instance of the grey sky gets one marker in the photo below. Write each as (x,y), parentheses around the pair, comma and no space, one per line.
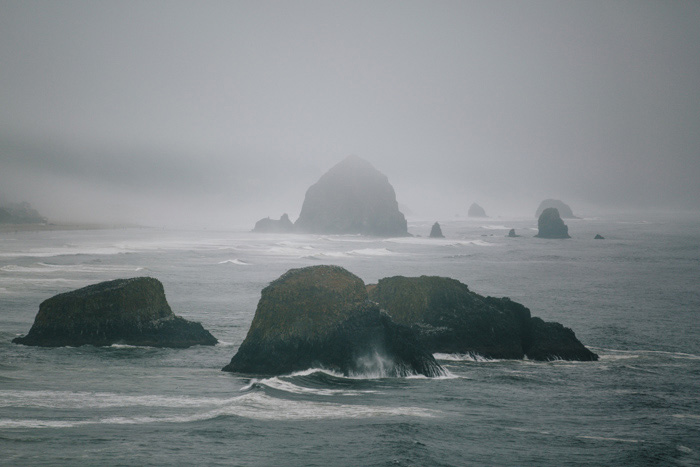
(216,110)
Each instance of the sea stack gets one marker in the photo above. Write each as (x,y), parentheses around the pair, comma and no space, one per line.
(449,318)
(321,317)
(267,225)
(598,237)
(476,211)
(550,225)
(352,198)
(436,231)
(564,210)
(123,311)
(512,234)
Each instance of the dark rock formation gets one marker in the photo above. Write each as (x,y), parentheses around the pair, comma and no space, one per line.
(552,341)
(550,225)
(352,198)
(320,317)
(449,318)
(267,225)
(512,234)
(20,213)
(476,211)
(436,231)
(598,237)
(122,311)
(564,210)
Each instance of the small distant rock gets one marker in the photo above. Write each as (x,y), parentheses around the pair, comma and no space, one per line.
(436,231)
(550,225)
(598,237)
(564,210)
(267,225)
(123,311)
(476,211)
(512,234)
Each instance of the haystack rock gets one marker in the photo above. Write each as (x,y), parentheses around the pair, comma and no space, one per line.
(449,318)
(550,225)
(436,231)
(352,198)
(123,311)
(564,210)
(267,225)
(320,317)
(476,211)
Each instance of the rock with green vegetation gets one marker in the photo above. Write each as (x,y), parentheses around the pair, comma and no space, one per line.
(122,311)
(436,231)
(564,210)
(550,225)
(320,317)
(449,318)
(352,198)
(267,225)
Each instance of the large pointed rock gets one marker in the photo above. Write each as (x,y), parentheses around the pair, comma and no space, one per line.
(352,198)
(123,311)
(550,225)
(436,231)
(320,317)
(449,318)
(476,211)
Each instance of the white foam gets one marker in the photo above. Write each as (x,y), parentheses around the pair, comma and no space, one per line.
(462,357)
(602,438)
(234,261)
(371,252)
(253,405)
(437,241)
(287,386)
(495,227)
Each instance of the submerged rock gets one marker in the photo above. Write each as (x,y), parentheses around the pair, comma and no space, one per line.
(436,231)
(123,311)
(598,237)
(267,225)
(476,211)
(352,198)
(564,210)
(320,317)
(550,225)
(449,318)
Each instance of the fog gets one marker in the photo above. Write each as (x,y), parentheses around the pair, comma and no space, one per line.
(219,113)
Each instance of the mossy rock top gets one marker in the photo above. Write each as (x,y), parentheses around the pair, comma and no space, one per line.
(307,303)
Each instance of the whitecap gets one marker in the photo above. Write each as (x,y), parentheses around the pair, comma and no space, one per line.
(371,252)
(603,438)
(234,261)
(462,357)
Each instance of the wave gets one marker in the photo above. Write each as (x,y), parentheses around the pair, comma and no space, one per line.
(463,357)
(495,227)
(253,405)
(234,261)
(437,241)
(603,438)
(614,354)
(43,268)
(374,252)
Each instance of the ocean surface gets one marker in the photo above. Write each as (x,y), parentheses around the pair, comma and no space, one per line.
(634,298)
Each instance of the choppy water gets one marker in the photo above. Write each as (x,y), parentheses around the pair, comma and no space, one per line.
(634,298)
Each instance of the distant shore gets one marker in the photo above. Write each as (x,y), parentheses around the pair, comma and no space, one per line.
(63,226)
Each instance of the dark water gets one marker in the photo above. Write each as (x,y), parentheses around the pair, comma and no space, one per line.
(633,297)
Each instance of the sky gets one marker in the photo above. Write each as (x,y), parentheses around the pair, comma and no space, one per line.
(218,113)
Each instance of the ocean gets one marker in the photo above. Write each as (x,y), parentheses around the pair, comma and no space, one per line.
(633,298)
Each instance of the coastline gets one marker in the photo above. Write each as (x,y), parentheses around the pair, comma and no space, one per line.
(51,226)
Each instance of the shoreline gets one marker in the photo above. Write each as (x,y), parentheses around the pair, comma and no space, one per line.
(51,226)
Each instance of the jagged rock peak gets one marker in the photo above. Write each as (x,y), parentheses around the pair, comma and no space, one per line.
(550,225)
(436,231)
